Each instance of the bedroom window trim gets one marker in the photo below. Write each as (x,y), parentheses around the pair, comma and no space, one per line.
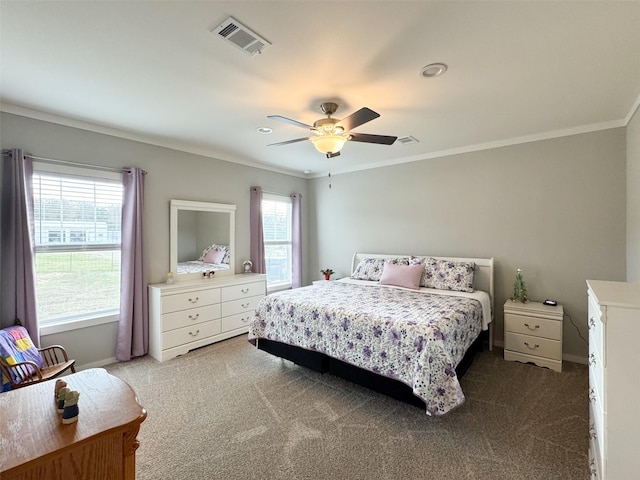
(274,286)
(58,323)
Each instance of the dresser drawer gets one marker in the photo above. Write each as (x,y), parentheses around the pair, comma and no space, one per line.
(596,330)
(184,318)
(244,305)
(541,347)
(595,459)
(596,432)
(246,290)
(181,336)
(237,321)
(596,408)
(534,326)
(183,301)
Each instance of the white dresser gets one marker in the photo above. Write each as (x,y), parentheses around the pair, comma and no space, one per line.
(533,333)
(188,315)
(614,419)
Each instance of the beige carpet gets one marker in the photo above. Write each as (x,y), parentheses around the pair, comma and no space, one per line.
(229,411)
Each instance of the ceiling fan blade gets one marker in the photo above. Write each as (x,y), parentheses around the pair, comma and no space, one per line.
(367,138)
(358,118)
(287,142)
(288,120)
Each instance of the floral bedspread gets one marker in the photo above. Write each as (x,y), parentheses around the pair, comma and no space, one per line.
(415,337)
(196,266)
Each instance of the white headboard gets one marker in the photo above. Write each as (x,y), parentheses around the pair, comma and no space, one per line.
(482,278)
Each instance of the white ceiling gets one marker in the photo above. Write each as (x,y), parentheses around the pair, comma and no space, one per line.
(153,71)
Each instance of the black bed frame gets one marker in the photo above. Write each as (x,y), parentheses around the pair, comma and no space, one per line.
(324,364)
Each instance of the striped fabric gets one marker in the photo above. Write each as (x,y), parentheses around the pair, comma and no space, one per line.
(15,347)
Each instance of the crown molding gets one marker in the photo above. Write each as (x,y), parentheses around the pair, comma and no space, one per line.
(151,140)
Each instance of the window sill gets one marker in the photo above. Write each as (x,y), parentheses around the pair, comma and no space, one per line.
(69,325)
(278,287)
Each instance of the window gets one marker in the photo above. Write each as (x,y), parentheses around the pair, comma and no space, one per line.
(276,225)
(77,217)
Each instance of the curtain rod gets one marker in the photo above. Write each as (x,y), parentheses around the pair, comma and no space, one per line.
(76,164)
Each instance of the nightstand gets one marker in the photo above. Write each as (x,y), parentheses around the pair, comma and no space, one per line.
(533,333)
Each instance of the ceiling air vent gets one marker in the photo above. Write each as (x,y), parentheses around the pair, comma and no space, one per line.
(237,34)
(407,140)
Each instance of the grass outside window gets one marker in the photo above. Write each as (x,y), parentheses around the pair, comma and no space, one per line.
(73,284)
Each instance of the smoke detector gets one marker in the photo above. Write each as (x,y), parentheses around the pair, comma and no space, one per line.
(407,140)
(240,36)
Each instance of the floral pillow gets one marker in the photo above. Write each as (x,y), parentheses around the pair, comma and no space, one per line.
(446,274)
(371,268)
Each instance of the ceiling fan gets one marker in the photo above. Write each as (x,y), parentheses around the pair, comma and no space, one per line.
(330,134)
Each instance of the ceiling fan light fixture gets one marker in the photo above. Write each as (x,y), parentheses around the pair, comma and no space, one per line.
(329,143)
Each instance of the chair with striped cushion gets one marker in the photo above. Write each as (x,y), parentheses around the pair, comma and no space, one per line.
(23,364)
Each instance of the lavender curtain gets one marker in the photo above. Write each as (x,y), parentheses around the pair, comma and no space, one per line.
(133,326)
(255,231)
(296,240)
(18,263)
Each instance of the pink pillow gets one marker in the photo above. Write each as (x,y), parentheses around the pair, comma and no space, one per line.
(214,256)
(407,276)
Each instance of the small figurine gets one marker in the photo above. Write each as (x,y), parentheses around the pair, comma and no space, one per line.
(62,395)
(70,413)
(59,384)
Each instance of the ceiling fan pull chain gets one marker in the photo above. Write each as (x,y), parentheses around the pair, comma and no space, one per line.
(329,173)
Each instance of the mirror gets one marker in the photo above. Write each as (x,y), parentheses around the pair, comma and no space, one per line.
(202,239)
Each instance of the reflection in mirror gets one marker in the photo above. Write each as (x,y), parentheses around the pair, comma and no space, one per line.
(202,239)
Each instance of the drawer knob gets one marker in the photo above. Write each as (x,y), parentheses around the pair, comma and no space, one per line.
(191,300)
(592,395)
(245,320)
(592,432)
(194,334)
(245,290)
(592,359)
(194,317)
(592,468)
(530,347)
(245,305)
(592,323)
(532,329)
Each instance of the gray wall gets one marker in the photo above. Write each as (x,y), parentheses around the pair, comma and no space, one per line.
(633,198)
(554,208)
(171,174)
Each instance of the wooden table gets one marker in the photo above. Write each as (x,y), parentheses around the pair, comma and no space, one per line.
(101,445)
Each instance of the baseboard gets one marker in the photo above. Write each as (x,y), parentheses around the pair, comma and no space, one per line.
(98,364)
(565,356)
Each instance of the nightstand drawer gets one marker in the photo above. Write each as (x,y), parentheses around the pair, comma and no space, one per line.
(534,326)
(528,344)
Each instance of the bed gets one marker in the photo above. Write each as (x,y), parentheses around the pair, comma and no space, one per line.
(213,259)
(410,341)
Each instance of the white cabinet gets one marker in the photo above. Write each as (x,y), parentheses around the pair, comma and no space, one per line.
(188,315)
(533,333)
(614,424)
